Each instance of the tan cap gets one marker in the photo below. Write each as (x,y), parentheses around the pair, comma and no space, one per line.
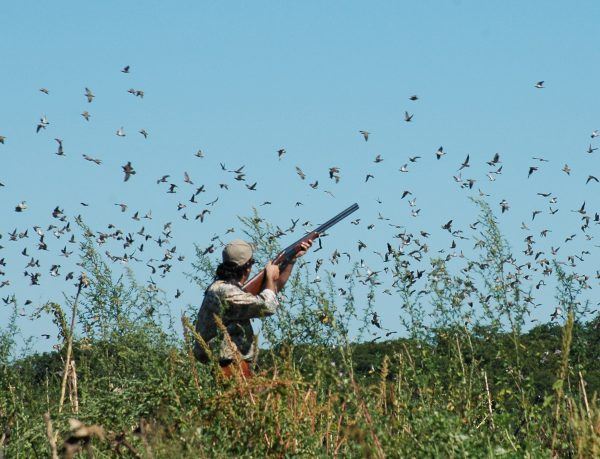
(237,252)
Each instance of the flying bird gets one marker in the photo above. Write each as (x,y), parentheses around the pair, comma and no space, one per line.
(21,206)
(495,160)
(43,124)
(136,92)
(128,170)
(300,173)
(201,215)
(93,160)
(89,95)
(334,173)
(532,169)
(60,151)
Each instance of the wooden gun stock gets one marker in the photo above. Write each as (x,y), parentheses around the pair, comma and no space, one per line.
(255,285)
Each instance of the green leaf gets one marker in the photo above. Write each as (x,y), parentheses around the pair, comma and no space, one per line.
(558,384)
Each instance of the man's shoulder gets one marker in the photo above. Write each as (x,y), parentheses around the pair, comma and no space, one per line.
(221,287)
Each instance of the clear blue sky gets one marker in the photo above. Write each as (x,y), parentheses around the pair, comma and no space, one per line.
(240,80)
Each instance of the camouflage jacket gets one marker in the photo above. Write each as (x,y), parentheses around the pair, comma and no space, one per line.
(235,308)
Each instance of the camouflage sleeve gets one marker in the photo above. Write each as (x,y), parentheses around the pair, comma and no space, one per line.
(241,305)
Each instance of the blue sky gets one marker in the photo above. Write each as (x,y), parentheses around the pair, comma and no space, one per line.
(240,80)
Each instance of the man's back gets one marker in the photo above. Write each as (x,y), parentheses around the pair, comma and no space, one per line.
(235,308)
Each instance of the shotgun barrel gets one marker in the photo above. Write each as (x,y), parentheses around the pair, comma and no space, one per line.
(255,284)
(322,228)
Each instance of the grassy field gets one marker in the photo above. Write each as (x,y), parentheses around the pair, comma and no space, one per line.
(482,387)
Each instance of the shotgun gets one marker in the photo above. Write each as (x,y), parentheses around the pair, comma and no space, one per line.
(255,284)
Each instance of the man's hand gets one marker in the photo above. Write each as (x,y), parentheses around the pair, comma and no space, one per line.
(272,272)
(284,275)
(304,246)
(271,277)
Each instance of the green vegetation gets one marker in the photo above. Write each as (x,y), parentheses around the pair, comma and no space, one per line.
(466,381)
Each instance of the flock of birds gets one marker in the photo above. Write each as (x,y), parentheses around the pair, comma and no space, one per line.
(59,238)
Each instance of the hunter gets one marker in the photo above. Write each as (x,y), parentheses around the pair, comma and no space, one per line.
(235,307)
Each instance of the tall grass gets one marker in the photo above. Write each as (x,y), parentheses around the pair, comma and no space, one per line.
(466,380)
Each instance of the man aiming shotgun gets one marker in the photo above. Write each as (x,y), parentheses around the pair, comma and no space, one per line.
(236,300)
